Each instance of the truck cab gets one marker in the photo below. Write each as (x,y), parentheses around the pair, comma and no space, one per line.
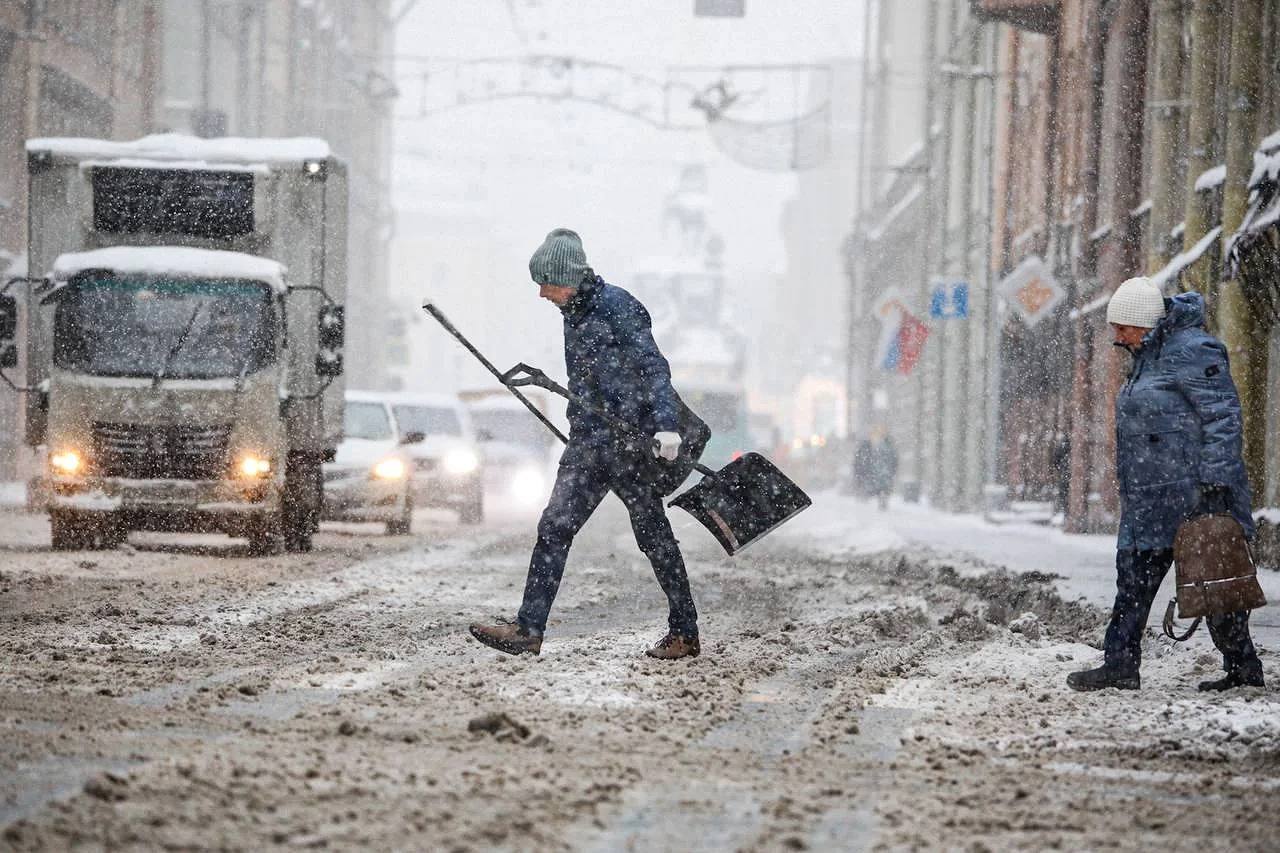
(183,341)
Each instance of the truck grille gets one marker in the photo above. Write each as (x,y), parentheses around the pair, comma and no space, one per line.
(160,452)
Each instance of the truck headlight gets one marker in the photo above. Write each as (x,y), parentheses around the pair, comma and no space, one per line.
(66,462)
(389,469)
(253,466)
(458,462)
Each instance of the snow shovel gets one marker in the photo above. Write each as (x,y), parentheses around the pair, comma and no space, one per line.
(1215,572)
(739,504)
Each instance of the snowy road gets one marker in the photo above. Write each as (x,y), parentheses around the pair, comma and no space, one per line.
(860,688)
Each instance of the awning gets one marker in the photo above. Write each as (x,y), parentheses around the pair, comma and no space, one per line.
(1253,252)
(1173,270)
(876,233)
(1164,278)
(1038,16)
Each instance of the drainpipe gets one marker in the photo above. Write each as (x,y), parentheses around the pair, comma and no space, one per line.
(963,489)
(1166,109)
(1202,132)
(927,249)
(856,380)
(1088,459)
(1239,326)
(939,488)
(206,58)
(996,474)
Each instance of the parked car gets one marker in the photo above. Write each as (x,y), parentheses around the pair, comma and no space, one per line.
(519,452)
(445,460)
(368,480)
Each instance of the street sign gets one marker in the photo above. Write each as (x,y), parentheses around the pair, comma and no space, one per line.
(949,300)
(1032,291)
(719,8)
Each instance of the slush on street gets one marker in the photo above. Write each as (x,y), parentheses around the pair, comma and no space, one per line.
(696,425)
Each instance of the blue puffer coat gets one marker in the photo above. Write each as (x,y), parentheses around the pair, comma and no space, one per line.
(612,359)
(1178,427)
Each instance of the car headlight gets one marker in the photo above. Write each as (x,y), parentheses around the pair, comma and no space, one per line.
(390,468)
(66,462)
(252,466)
(461,461)
(528,486)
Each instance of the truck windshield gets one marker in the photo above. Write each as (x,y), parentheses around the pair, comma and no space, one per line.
(132,326)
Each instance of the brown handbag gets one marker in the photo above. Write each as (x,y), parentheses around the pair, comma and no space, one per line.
(1215,572)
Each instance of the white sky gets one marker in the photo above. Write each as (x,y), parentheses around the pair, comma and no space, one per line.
(476,188)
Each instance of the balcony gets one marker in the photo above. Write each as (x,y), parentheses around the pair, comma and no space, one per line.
(1038,16)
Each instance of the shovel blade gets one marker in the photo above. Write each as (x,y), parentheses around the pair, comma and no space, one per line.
(743,502)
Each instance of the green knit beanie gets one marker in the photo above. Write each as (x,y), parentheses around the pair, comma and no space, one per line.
(560,260)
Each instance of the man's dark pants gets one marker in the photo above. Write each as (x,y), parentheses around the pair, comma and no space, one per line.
(586,475)
(1138,578)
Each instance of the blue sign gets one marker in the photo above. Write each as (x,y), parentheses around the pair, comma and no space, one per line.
(949,300)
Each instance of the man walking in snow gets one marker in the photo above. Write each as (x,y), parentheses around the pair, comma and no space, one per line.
(1178,454)
(612,361)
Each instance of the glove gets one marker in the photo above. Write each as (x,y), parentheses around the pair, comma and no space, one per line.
(666,445)
(1213,499)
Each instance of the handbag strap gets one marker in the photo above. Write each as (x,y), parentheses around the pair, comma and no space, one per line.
(1169,624)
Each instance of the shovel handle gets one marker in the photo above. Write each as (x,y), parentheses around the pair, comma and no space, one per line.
(522,374)
(440,318)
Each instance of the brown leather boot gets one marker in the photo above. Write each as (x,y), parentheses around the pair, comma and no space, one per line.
(675,646)
(508,637)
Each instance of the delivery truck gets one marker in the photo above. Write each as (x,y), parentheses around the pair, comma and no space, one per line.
(179,342)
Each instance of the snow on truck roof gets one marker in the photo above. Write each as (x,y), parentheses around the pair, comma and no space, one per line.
(182,151)
(174,261)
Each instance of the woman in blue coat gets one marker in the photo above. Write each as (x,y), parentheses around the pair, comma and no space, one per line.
(1178,454)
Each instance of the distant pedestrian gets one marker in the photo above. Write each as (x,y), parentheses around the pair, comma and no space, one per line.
(1060,465)
(1178,454)
(613,361)
(875,466)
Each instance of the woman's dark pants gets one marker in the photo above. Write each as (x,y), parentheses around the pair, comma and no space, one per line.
(586,475)
(1138,578)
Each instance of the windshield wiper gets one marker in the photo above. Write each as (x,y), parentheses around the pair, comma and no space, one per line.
(177,345)
(244,370)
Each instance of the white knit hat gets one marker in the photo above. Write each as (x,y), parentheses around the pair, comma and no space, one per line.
(1137,302)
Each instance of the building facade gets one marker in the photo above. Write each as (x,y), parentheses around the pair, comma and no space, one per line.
(121,69)
(1116,138)
(301,68)
(67,68)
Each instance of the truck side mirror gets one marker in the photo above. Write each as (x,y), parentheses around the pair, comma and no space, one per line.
(331,324)
(8,317)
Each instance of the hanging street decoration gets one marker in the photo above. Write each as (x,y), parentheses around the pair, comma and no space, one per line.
(902,334)
(1031,290)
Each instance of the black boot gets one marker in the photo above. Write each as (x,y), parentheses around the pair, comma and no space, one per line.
(1102,678)
(1234,678)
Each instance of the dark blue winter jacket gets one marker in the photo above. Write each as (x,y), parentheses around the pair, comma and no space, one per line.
(612,360)
(1178,428)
